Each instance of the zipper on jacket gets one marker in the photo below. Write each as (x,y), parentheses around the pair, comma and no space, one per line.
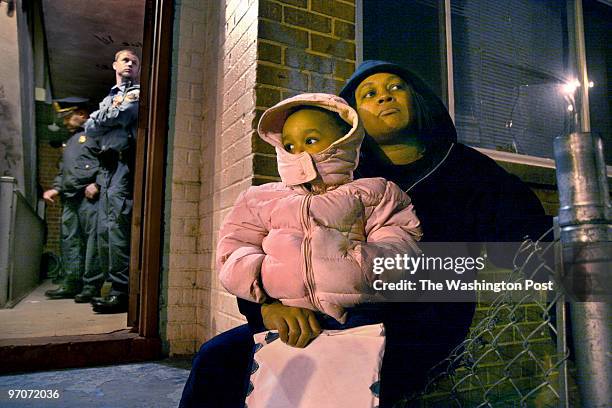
(432,170)
(307,252)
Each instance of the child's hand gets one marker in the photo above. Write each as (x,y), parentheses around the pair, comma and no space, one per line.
(296,326)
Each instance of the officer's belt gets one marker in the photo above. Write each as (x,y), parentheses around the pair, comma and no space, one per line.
(110,157)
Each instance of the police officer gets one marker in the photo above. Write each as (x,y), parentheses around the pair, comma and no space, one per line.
(75,184)
(115,124)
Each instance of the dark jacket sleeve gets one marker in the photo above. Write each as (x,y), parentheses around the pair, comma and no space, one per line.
(58,180)
(252,312)
(510,213)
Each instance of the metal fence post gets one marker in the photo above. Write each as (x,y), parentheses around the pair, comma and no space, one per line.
(586,235)
(561,312)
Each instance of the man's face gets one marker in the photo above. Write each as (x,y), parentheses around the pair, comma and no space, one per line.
(311,131)
(127,66)
(75,121)
(384,104)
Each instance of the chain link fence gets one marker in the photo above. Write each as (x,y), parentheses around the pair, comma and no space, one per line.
(510,357)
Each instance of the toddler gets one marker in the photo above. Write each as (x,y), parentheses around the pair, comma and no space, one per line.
(310,240)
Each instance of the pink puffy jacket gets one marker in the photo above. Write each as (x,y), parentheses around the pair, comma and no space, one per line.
(314,248)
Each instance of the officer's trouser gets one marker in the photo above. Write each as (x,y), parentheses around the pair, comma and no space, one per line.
(114,223)
(78,243)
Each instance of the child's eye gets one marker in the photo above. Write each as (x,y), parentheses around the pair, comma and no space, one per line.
(289,147)
(311,140)
(395,87)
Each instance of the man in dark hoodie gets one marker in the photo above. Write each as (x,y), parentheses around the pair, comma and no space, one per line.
(459,194)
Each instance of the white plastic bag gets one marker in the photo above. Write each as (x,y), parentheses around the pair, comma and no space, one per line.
(340,368)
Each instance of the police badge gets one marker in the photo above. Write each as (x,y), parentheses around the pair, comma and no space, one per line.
(82,139)
(133,95)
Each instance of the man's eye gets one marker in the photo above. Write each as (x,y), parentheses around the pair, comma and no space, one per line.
(311,140)
(289,147)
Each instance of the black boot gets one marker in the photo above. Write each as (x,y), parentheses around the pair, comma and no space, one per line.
(87,294)
(110,304)
(63,292)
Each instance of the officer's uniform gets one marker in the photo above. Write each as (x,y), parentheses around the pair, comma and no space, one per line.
(79,168)
(115,128)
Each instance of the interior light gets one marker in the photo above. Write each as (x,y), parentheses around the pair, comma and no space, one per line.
(591,84)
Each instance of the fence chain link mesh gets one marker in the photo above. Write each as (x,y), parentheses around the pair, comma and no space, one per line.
(510,357)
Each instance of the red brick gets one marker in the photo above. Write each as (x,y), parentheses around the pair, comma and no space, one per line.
(307,20)
(331,46)
(343,69)
(264,165)
(344,30)
(270,10)
(334,9)
(268,52)
(284,78)
(260,146)
(320,83)
(267,96)
(273,31)
(298,3)
(299,59)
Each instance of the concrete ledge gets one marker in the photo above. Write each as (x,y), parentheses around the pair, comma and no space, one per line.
(46,353)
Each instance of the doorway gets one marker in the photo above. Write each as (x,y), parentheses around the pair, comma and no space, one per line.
(91,338)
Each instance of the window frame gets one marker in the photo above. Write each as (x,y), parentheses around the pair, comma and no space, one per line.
(579,61)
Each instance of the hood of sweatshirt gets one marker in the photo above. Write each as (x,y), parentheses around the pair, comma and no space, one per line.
(331,167)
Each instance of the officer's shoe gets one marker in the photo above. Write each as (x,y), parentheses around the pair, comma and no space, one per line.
(111,304)
(87,294)
(61,293)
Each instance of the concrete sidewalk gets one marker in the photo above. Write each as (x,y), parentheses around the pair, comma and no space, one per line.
(144,385)
(38,316)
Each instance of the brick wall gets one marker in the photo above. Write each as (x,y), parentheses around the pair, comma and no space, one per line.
(227,166)
(209,162)
(178,306)
(246,57)
(303,46)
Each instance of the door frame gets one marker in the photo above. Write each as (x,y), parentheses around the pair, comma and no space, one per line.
(142,340)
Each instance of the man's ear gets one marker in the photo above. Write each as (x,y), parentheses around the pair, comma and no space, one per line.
(115,65)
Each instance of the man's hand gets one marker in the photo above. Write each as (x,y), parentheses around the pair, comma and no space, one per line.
(296,326)
(49,195)
(91,191)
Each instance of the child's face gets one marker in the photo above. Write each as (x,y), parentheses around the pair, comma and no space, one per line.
(311,131)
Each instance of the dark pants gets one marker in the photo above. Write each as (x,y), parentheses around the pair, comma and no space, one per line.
(114,223)
(220,370)
(78,242)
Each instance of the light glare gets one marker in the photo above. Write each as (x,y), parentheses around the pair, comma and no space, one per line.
(570,87)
